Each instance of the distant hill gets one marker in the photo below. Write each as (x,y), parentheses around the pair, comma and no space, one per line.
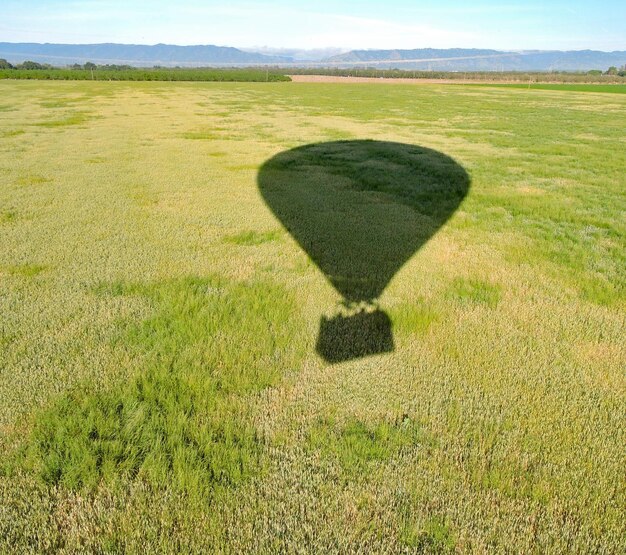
(452,59)
(133,54)
(471,59)
(298,54)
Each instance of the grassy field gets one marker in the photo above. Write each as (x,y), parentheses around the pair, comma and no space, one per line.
(594,88)
(170,377)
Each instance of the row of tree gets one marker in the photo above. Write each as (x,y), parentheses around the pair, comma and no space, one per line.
(28,64)
(611,71)
(90,66)
(614,71)
(24,65)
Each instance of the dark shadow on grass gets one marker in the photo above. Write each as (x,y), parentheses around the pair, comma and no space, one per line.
(361,209)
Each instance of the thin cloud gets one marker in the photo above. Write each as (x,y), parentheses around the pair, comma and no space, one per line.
(304,25)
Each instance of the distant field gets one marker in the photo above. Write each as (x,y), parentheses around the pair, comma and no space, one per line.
(469,80)
(178,374)
(619,89)
(467,76)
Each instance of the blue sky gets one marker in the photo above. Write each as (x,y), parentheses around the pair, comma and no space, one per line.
(547,24)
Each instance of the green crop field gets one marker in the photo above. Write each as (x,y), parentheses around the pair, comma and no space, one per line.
(311,318)
(609,88)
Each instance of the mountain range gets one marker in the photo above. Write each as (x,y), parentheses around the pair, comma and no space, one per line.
(463,59)
(133,54)
(453,59)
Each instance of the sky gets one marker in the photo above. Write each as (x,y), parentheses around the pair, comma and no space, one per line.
(345,24)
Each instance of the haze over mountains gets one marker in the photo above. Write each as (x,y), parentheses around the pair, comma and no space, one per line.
(133,54)
(463,59)
(454,59)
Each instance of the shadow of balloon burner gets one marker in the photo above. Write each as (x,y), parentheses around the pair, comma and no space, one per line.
(360,209)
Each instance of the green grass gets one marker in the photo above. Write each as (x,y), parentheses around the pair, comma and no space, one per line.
(73,119)
(8,216)
(25,270)
(181,420)
(251,237)
(414,318)
(355,445)
(32,179)
(579,87)
(433,537)
(475,291)
(12,133)
(160,388)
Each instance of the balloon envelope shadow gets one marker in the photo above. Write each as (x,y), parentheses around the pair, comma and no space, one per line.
(361,209)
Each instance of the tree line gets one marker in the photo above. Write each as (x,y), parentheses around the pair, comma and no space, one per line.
(123,72)
(114,72)
(28,64)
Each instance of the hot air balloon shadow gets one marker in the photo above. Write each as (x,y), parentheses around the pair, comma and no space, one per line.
(360,209)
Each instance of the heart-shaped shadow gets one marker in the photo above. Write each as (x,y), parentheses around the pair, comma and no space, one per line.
(361,209)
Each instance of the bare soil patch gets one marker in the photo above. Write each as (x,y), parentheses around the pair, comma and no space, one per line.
(398,81)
